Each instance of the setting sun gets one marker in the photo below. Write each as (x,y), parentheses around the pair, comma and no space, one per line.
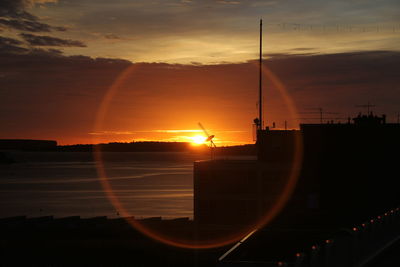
(198,139)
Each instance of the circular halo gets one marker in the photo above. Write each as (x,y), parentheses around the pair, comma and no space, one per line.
(193,243)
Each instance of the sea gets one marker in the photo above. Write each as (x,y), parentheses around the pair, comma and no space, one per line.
(61,184)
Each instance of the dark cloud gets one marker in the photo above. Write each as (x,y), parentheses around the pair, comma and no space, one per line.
(11,46)
(112,36)
(15,9)
(26,25)
(303,49)
(13,15)
(273,56)
(9,41)
(41,92)
(340,81)
(37,40)
(222,16)
(54,96)
(228,2)
(164,17)
(40,52)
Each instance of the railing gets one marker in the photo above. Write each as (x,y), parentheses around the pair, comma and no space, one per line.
(357,246)
(354,247)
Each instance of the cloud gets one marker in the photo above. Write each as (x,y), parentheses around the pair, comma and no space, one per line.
(42,91)
(338,82)
(302,49)
(15,18)
(4,41)
(47,95)
(13,15)
(112,36)
(43,1)
(11,46)
(208,31)
(37,40)
(216,16)
(273,56)
(29,25)
(15,9)
(228,2)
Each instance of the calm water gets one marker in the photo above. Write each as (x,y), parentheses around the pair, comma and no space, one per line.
(66,184)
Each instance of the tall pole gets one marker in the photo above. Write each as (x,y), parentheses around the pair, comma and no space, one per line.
(260,82)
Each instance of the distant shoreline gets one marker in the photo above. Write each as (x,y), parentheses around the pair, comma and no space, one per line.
(142,146)
(10,151)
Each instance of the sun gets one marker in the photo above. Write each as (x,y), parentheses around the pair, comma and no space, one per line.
(198,139)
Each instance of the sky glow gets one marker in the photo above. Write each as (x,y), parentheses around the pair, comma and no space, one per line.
(189,61)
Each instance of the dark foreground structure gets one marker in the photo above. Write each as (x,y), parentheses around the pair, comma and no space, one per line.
(27,144)
(343,210)
(346,185)
(98,241)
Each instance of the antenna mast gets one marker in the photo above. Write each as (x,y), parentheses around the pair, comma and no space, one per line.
(260,82)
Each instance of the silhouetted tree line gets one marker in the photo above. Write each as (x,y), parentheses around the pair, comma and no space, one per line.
(147,146)
(130,147)
(152,146)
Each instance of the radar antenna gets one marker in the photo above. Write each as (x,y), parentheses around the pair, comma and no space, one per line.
(209,139)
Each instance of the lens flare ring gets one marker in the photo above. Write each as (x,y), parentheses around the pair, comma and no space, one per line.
(193,244)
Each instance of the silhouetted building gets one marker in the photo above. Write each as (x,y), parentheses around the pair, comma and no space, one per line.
(348,173)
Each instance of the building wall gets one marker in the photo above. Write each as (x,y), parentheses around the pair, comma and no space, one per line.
(229,192)
(349,173)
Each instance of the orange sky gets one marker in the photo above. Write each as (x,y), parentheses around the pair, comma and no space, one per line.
(47,97)
(56,66)
(166,102)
